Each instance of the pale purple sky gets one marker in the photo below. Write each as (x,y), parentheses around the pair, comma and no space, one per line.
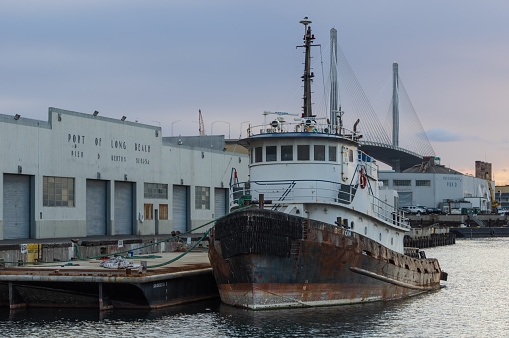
(160,61)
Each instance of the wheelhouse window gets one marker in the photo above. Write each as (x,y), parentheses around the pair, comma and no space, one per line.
(303,152)
(286,153)
(258,154)
(332,154)
(271,153)
(57,191)
(319,153)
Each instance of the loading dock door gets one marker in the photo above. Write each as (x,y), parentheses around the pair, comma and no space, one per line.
(179,208)
(405,198)
(96,207)
(123,208)
(220,205)
(16,206)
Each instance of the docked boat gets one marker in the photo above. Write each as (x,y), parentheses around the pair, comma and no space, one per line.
(312,226)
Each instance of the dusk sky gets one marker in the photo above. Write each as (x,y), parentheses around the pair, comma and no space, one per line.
(158,62)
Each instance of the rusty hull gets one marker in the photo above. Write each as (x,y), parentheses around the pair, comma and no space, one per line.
(325,266)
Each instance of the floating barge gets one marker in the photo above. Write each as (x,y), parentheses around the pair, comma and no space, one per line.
(85,284)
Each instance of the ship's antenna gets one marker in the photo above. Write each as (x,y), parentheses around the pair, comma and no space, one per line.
(307,78)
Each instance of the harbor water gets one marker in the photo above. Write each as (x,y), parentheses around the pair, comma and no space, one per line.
(473,303)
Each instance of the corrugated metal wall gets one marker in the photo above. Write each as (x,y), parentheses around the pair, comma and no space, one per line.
(96,207)
(180,208)
(123,208)
(16,206)
(220,202)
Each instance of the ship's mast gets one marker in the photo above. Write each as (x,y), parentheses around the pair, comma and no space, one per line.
(333,76)
(308,75)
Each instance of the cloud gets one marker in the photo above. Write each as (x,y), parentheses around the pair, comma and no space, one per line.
(443,135)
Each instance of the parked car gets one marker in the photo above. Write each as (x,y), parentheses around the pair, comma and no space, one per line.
(423,208)
(413,209)
(435,211)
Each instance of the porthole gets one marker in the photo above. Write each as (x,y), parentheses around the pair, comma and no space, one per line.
(351,225)
(392,241)
(380,236)
(365,230)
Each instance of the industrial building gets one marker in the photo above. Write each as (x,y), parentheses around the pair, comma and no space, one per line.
(433,185)
(80,175)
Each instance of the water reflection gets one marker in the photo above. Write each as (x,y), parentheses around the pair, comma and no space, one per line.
(474,303)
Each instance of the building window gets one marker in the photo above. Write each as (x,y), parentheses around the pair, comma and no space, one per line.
(258,154)
(156,190)
(202,198)
(149,211)
(384,182)
(303,152)
(319,153)
(286,153)
(332,154)
(422,183)
(271,153)
(57,191)
(163,211)
(401,183)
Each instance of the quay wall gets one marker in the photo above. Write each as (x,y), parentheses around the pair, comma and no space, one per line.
(457,220)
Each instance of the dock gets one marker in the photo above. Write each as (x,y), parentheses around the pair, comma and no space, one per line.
(149,282)
(429,236)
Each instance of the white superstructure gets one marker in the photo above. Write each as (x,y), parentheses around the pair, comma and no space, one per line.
(316,171)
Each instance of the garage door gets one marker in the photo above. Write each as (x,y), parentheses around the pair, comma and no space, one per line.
(123,208)
(180,208)
(405,198)
(16,206)
(96,207)
(220,202)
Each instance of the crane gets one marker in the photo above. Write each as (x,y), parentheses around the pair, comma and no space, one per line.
(494,203)
(201,125)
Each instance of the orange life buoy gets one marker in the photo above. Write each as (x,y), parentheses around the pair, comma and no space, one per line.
(362,179)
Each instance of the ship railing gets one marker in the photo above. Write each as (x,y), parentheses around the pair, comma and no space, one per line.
(309,125)
(368,163)
(294,191)
(388,213)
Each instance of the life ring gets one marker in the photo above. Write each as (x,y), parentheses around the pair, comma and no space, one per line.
(362,179)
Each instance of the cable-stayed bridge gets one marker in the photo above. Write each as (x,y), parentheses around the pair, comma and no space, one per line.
(401,141)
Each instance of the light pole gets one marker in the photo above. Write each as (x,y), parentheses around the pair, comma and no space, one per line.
(212,127)
(241,128)
(172,126)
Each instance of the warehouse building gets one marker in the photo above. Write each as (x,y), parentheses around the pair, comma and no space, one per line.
(80,175)
(435,186)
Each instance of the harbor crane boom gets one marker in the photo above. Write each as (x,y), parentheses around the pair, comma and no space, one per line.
(201,127)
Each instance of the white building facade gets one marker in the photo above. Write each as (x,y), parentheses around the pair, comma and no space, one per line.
(432,189)
(80,175)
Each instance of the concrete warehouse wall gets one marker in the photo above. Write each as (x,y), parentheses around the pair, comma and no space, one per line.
(83,146)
